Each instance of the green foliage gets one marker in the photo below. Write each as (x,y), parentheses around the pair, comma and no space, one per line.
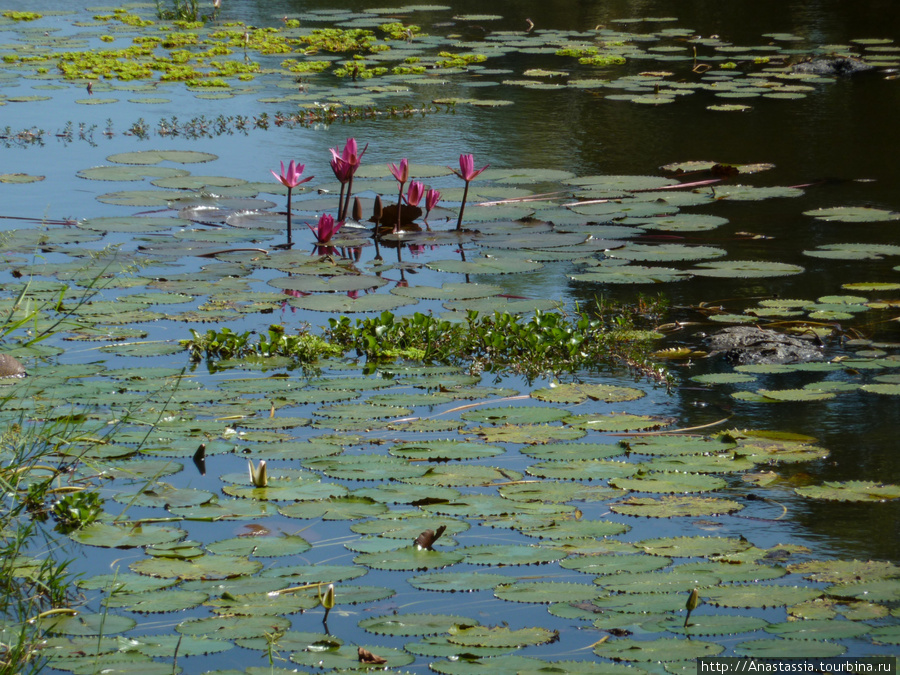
(183,10)
(226,344)
(548,342)
(451,60)
(397,31)
(358,70)
(22,16)
(305,66)
(341,40)
(602,60)
(77,509)
(578,52)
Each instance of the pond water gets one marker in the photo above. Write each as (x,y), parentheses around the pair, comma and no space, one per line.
(544,122)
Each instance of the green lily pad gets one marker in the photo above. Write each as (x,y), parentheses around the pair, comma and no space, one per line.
(108,535)
(817,629)
(345,658)
(670,507)
(263,547)
(204,567)
(853,214)
(778,649)
(577,393)
(661,649)
(406,625)
(456,581)
(547,592)
(442,450)
(233,627)
(408,559)
(759,595)
(745,269)
(500,636)
(878,590)
(690,547)
(851,491)
(512,554)
(157,156)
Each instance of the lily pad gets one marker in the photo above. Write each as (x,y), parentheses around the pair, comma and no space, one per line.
(851,491)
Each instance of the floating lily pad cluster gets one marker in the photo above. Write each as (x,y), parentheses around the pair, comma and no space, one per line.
(392,51)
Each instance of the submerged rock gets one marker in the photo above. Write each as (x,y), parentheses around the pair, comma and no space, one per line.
(10,366)
(750,344)
(843,66)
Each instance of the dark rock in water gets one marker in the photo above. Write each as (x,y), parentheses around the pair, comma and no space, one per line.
(11,367)
(750,344)
(843,66)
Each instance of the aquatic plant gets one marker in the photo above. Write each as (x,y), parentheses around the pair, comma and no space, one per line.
(303,347)
(290,178)
(344,167)
(467,172)
(401,174)
(415,193)
(431,199)
(325,229)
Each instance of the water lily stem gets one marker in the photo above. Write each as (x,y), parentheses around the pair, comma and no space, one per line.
(341,206)
(462,207)
(289,217)
(399,208)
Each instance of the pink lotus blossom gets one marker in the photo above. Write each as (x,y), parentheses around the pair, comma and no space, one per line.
(344,166)
(415,193)
(467,168)
(401,173)
(290,177)
(325,229)
(431,199)
(467,172)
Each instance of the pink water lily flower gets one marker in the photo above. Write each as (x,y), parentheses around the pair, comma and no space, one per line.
(467,168)
(467,172)
(290,178)
(344,166)
(415,193)
(401,173)
(431,199)
(326,228)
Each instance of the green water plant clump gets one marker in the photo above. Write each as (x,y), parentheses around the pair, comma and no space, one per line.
(22,16)
(227,344)
(548,342)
